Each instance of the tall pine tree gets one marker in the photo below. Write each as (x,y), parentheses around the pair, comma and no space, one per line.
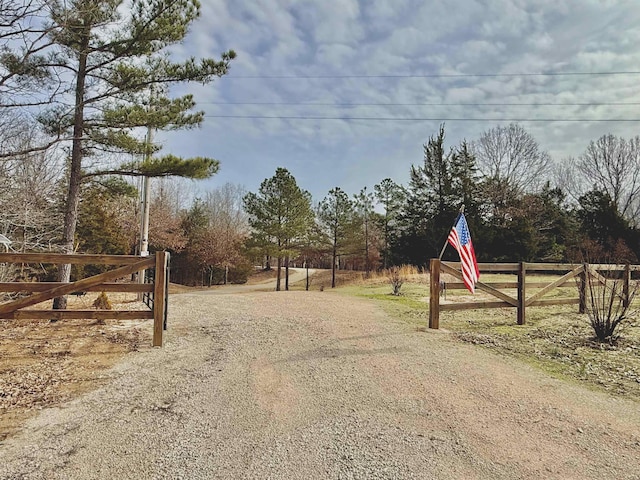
(280,215)
(118,71)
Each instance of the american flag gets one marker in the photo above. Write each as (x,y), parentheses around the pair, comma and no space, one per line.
(460,239)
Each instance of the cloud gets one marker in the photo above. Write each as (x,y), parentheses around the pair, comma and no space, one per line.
(386,38)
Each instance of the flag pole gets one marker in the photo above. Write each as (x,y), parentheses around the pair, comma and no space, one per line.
(446,242)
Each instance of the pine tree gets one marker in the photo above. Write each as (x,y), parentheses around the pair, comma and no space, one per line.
(336,213)
(119,74)
(391,196)
(280,215)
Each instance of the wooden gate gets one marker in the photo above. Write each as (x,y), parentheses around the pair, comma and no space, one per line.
(522,300)
(104,282)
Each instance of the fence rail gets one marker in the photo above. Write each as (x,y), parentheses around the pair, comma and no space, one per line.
(126,265)
(575,274)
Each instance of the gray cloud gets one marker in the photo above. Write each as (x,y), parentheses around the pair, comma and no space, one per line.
(392,37)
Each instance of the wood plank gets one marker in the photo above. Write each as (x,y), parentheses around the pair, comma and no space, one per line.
(513,285)
(569,283)
(75,259)
(481,286)
(474,305)
(608,267)
(462,286)
(555,301)
(31,287)
(541,267)
(78,314)
(78,286)
(488,267)
(552,285)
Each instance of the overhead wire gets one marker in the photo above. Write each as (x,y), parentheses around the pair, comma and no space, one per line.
(434,104)
(424,119)
(440,75)
(427,104)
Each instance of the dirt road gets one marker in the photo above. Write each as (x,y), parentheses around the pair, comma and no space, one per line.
(306,385)
(295,275)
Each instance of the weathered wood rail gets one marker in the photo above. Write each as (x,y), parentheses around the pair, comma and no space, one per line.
(126,265)
(570,275)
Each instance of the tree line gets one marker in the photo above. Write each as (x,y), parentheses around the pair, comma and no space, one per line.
(519,205)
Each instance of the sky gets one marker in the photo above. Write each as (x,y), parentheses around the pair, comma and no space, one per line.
(354,88)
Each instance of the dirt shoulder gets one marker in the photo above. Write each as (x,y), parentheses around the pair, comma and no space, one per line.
(45,363)
(316,385)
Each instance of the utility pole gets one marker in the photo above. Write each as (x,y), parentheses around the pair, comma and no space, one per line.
(144,209)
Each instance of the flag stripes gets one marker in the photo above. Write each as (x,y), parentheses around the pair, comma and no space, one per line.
(460,239)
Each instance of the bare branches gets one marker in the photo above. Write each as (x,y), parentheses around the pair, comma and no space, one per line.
(612,165)
(511,155)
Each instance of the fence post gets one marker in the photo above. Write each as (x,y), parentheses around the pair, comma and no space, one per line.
(159,291)
(434,294)
(625,285)
(582,308)
(522,293)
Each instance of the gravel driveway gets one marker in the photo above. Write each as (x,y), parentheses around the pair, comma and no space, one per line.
(314,385)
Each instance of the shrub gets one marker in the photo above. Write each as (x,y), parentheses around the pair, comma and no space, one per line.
(607,302)
(607,305)
(102,302)
(396,279)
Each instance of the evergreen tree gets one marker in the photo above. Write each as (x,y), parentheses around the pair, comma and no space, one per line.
(113,65)
(436,190)
(280,215)
(336,214)
(391,196)
(99,229)
(603,223)
(364,207)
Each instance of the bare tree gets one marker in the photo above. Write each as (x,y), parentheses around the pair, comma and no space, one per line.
(612,165)
(511,156)
(28,191)
(165,217)
(228,224)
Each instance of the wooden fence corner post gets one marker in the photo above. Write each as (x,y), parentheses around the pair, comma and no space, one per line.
(434,294)
(159,291)
(582,308)
(522,293)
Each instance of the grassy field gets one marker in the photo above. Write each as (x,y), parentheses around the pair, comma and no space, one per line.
(556,339)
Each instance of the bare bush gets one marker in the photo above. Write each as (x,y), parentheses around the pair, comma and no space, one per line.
(608,305)
(607,294)
(396,278)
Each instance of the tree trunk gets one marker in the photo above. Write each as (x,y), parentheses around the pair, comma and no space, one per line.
(366,246)
(286,273)
(279,274)
(75,171)
(333,267)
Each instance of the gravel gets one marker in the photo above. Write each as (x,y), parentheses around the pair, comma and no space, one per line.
(301,385)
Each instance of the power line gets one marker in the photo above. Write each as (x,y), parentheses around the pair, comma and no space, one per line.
(441,75)
(427,104)
(425,119)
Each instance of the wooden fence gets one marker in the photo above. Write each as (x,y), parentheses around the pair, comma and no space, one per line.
(570,275)
(104,282)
